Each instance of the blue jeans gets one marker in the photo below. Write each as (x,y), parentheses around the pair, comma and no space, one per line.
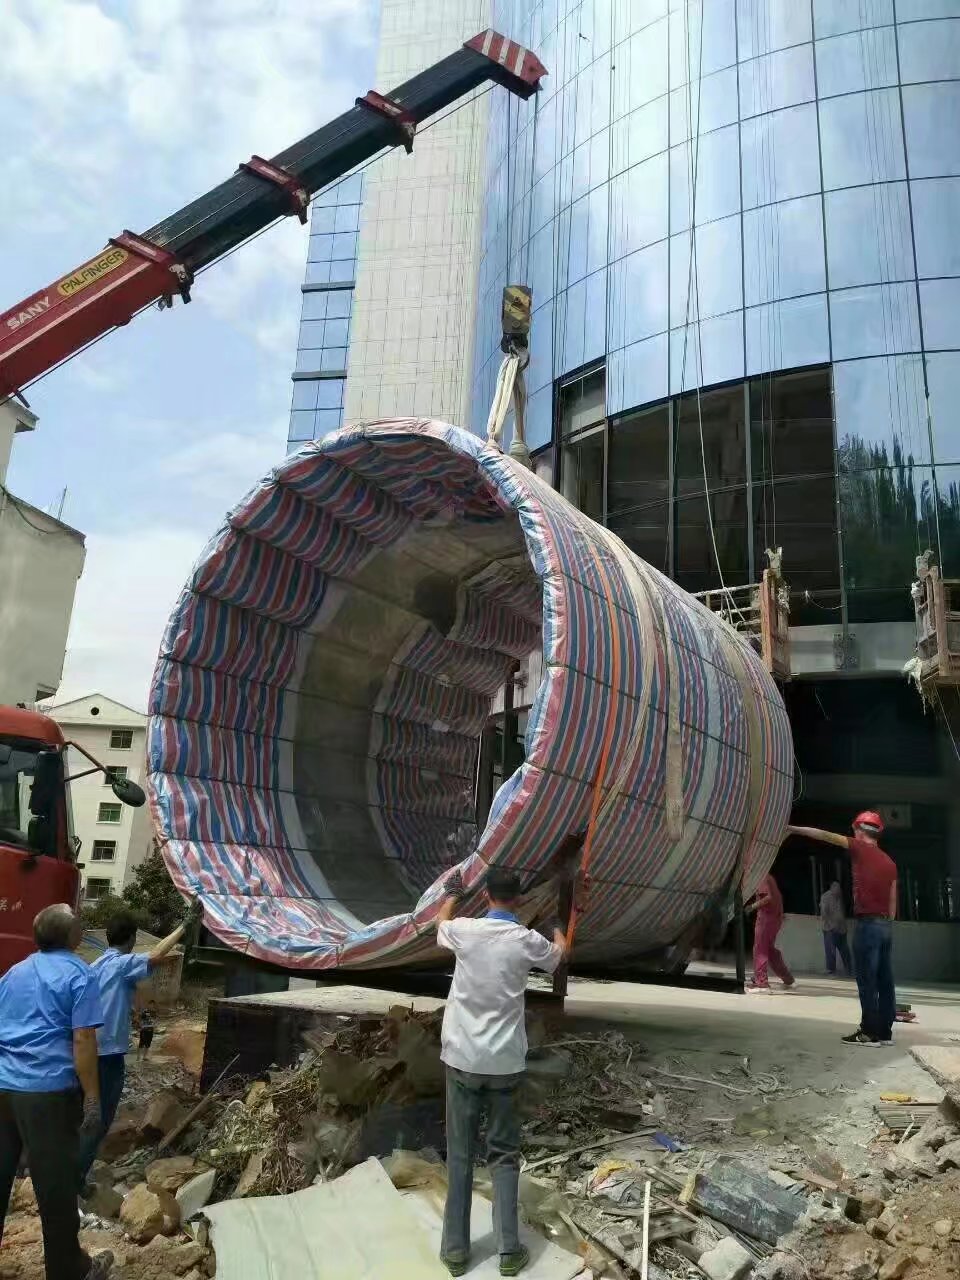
(834,944)
(873,963)
(112,1069)
(468,1097)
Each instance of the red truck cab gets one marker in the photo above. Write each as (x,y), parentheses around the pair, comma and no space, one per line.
(37,853)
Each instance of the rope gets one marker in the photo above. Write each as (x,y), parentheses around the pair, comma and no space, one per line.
(511,388)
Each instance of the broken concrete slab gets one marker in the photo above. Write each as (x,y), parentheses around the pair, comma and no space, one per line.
(727,1260)
(195,1194)
(357,1227)
(163,1114)
(943,1063)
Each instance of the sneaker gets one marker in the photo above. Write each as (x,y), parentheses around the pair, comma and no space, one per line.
(757,989)
(789,986)
(511,1264)
(861,1038)
(456,1263)
(885,1044)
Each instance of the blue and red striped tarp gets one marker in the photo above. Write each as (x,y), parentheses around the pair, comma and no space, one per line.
(328,669)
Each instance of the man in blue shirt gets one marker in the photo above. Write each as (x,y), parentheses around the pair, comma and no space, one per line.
(117,972)
(49,1089)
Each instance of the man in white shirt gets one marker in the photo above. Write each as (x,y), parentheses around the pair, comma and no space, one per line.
(484,1049)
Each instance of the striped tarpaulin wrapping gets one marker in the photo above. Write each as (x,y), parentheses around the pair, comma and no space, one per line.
(327,671)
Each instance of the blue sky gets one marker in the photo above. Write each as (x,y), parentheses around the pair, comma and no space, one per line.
(115,115)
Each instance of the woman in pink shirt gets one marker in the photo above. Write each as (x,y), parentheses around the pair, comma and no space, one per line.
(768,905)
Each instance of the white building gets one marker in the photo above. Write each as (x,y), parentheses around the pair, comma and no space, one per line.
(41,559)
(114,837)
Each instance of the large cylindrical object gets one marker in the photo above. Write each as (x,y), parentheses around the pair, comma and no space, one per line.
(328,669)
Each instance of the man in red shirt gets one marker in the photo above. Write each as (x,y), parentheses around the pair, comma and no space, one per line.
(875,908)
(768,904)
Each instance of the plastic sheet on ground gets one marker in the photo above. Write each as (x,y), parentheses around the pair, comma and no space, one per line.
(547,1261)
(357,1227)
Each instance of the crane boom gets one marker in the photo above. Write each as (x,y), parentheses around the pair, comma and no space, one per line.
(134,270)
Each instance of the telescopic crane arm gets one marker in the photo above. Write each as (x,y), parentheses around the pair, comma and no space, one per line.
(135,270)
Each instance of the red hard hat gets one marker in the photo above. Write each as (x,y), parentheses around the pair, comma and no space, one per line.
(869,819)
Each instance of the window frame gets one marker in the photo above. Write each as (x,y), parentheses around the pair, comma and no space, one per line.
(111,857)
(116,734)
(111,806)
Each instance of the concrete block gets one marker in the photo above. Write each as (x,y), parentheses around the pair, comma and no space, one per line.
(727,1260)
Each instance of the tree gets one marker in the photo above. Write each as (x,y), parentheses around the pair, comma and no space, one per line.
(152,897)
(96,913)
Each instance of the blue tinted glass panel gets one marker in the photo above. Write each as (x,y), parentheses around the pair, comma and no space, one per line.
(943,374)
(314,307)
(637,374)
(640,135)
(703,39)
(716,159)
(717,284)
(638,295)
(308,361)
(542,263)
(343,272)
(304,395)
(323,219)
(327,420)
(628,18)
(717,358)
(350,190)
(301,425)
(329,393)
(639,206)
(930,115)
(862,139)
(930,50)
(783,248)
(936,217)
(835,17)
(572,306)
(347,217)
(335,333)
(910,9)
(880,412)
(777,80)
(587,246)
(780,156)
(787,335)
(885,516)
(948,519)
(321,248)
(715,107)
(641,69)
(850,64)
(539,426)
(879,320)
(868,235)
(339,302)
(317,273)
(333,359)
(344,245)
(595,308)
(765,25)
(540,370)
(311,334)
(940,304)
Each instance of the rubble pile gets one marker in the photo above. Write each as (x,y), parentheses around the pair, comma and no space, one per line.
(626,1162)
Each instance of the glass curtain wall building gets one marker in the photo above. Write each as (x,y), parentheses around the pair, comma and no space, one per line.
(738,219)
(320,374)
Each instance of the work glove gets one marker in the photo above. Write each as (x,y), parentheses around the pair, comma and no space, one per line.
(90,1124)
(453,885)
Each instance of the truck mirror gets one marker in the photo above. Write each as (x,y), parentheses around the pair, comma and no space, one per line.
(128,792)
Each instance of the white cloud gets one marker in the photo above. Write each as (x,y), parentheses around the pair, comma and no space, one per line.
(129,586)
